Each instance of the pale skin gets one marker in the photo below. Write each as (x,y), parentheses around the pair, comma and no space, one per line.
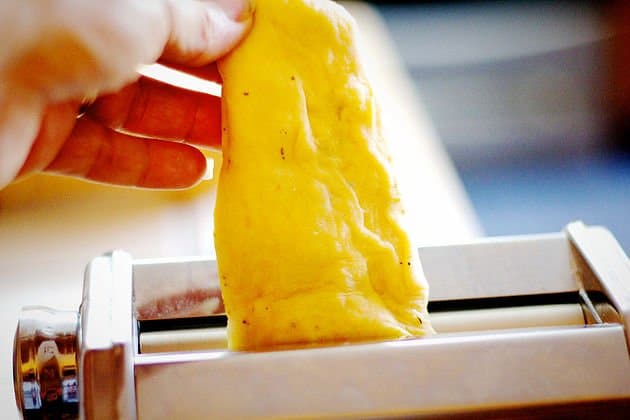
(138,131)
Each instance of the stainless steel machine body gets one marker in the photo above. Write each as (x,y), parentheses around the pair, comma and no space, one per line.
(533,324)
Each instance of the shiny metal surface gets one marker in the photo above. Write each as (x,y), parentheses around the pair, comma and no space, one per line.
(600,264)
(107,340)
(448,322)
(45,364)
(573,358)
(441,375)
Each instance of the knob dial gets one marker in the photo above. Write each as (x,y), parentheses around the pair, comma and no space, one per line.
(45,369)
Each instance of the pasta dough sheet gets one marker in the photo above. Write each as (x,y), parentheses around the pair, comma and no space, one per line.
(309,236)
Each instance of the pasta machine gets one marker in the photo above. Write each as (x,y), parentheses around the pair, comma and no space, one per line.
(535,326)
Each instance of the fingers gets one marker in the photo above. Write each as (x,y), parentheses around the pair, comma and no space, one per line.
(179,32)
(201,32)
(100,154)
(155,109)
(56,126)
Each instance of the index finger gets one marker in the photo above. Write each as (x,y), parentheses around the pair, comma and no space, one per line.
(99,154)
(155,109)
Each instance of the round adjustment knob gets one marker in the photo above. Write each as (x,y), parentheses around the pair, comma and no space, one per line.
(45,373)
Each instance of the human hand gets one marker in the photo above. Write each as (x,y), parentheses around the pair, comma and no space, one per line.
(55,54)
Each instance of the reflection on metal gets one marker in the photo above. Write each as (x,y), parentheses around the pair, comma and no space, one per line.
(45,364)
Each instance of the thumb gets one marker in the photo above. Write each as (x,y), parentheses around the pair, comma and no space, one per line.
(202,31)
(19,124)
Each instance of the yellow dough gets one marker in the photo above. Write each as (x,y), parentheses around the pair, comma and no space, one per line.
(308,232)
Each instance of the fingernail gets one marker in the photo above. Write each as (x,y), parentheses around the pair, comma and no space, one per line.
(238,10)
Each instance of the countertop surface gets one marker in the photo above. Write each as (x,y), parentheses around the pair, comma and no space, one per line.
(51,227)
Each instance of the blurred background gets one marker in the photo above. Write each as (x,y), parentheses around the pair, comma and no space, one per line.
(532,102)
